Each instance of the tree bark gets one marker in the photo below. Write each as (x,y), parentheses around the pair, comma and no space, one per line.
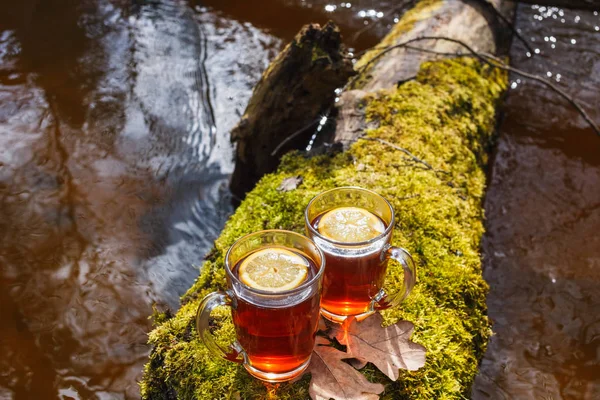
(294,91)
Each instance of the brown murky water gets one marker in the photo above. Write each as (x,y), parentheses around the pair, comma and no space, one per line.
(113,167)
(542,247)
(114,158)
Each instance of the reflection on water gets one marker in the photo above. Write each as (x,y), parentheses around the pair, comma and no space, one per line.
(284,18)
(542,248)
(114,159)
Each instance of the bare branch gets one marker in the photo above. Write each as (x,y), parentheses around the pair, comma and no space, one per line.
(486,58)
(293,135)
(501,65)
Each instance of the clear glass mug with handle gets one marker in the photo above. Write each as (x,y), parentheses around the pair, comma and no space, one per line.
(353,227)
(275,326)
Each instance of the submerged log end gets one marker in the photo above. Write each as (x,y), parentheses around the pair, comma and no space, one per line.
(293,92)
(444,118)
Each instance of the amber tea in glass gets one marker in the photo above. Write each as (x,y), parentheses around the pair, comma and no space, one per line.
(275,327)
(353,227)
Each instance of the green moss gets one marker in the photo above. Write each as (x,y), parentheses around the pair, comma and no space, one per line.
(445,117)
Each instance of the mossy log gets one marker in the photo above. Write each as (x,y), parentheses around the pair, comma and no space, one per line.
(445,118)
(297,88)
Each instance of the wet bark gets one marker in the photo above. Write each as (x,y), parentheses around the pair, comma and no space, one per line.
(294,91)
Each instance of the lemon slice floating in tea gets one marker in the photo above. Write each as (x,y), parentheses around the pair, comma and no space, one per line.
(350,225)
(274,270)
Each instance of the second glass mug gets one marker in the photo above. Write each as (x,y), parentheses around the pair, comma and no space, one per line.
(275,330)
(355,273)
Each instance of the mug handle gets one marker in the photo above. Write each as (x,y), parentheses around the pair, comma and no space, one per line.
(236,353)
(383,300)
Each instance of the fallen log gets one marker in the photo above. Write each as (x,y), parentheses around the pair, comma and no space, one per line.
(425,151)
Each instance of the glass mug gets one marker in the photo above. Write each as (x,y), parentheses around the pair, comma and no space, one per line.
(355,273)
(275,330)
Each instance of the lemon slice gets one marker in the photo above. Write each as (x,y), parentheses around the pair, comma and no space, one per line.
(273,269)
(350,225)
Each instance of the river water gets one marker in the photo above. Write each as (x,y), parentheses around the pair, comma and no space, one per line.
(114,160)
(542,246)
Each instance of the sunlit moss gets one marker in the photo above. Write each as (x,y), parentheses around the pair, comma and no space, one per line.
(446,118)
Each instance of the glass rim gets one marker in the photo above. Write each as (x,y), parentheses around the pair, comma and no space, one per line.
(295,290)
(349,244)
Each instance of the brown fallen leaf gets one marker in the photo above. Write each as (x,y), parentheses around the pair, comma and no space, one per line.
(388,348)
(289,184)
(333,378)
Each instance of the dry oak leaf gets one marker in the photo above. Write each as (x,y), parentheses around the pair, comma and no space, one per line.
(333,378)
(389,348)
